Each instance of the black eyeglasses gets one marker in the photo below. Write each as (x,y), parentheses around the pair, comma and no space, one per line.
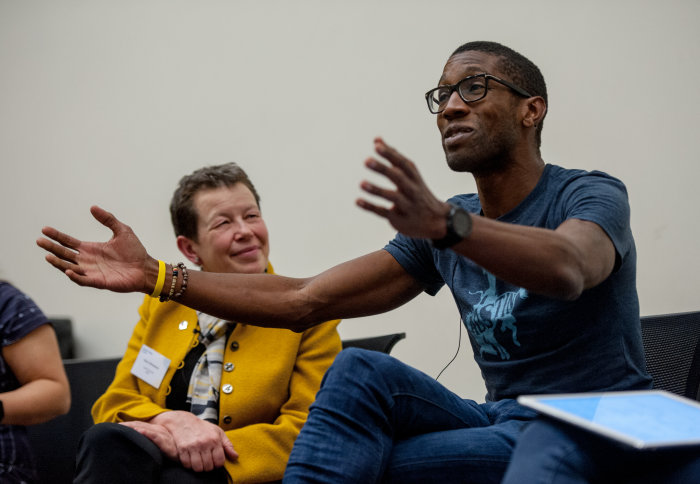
(470,89)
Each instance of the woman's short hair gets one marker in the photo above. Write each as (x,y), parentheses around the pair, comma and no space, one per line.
(182,212)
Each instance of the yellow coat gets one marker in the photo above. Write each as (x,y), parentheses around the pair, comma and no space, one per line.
(276,374)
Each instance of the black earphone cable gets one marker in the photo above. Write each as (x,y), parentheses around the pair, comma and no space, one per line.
(459,339)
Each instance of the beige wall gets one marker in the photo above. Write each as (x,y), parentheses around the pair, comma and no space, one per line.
(110,102)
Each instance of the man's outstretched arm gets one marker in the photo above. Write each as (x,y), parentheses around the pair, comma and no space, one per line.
(370,284)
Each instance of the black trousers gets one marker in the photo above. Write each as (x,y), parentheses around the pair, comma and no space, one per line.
(109,453)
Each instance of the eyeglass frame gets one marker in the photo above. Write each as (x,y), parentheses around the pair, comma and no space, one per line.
(455,87)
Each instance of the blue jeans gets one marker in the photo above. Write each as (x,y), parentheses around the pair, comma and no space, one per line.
(376,419)
(550,452)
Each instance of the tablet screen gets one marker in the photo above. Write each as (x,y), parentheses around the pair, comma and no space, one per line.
(643,419)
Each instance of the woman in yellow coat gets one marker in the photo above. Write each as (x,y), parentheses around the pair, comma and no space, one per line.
(197,399)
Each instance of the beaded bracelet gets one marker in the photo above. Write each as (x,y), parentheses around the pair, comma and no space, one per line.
(163,297)
(183,287)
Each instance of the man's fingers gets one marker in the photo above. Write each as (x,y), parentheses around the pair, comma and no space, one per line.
(390,195)
(388,152)
(398,199)
(63,265)
(58,251)
(107,219)
(370,207)
(63,239)
(74,272)
(385,170)
(395,158)
(398,175)
(83,280)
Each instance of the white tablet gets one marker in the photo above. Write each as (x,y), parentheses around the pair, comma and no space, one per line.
(642,419)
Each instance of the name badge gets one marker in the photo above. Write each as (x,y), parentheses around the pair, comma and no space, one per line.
(150,366)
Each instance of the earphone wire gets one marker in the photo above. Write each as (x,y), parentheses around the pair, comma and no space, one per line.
(459,339)
(459,344)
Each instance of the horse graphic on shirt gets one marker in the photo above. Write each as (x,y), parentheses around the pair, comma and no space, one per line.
(494,311)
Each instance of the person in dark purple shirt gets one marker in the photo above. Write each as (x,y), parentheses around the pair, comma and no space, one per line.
(33,384)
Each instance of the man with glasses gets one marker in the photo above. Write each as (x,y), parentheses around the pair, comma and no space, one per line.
(541,262)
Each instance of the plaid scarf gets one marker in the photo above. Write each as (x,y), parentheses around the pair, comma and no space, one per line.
(203,391)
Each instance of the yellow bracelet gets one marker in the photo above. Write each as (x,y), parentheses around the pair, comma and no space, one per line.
(161,279)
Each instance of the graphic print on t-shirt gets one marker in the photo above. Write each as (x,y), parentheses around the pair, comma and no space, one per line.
(492,315)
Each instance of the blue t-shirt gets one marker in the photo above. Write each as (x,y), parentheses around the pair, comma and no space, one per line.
(525,343)
(19,316)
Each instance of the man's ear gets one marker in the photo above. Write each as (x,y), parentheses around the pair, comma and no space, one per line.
(534,110)
(188,249)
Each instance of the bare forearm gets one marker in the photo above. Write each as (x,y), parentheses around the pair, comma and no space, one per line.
(35,402)
(265,300)
(367,285)
(543,261)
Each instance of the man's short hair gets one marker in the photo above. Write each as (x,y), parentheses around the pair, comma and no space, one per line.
(519,69)
(182,212)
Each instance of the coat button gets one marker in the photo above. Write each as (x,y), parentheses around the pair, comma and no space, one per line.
(228,367)
(234,345)
(227,420)
(228,388)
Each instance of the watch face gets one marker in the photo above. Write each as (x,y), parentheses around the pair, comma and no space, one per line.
(461,223)
(459,226)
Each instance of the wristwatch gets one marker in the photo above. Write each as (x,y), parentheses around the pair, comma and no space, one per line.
(459,226)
